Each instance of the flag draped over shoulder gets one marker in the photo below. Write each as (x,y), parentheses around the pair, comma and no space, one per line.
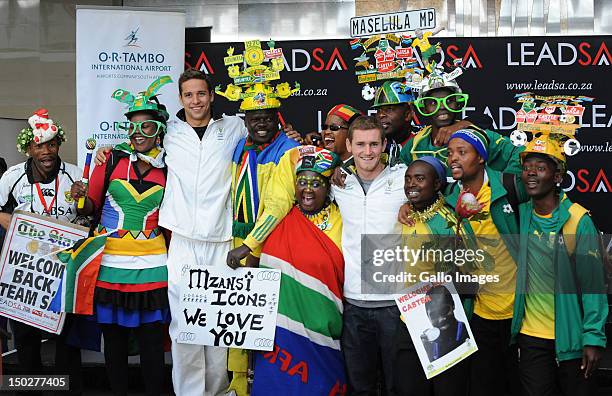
(76,290)
(306,359)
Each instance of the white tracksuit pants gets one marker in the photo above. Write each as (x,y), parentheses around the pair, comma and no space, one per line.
(196,370)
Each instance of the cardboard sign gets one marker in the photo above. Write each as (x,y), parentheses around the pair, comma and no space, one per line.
(30,271)
(405,21)
(229,308)
(437,325)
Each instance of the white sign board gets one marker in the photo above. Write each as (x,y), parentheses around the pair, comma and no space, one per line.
(118,48)
(437,324)
(30,272)
(229,308)
(405,21)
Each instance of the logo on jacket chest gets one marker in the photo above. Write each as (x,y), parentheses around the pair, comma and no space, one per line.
(220,134)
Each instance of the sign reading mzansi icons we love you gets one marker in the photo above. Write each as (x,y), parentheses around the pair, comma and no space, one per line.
(496,69)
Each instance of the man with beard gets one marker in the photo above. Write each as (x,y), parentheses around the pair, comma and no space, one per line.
(494,366)
(441,102)
(41,185)
(561,307)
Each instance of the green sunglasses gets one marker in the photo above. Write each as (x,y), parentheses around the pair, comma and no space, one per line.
(428,105)
(144,127)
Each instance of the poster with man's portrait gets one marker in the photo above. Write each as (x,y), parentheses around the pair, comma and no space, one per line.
(437,324)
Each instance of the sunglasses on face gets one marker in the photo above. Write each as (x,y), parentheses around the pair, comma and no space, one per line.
(147,128)
(429,105)
(333,127)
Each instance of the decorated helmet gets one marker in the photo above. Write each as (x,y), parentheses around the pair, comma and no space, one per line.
(437,81)
(392,92)
(547,145)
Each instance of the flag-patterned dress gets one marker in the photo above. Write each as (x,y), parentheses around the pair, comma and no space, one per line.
(306,359)
(132,284)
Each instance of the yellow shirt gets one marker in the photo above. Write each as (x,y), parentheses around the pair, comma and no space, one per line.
(495,300)
(539,319)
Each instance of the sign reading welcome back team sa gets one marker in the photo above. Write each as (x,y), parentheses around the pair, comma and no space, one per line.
(30,271)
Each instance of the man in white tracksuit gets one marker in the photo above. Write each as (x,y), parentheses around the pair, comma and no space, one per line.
(197,209)
(369,203)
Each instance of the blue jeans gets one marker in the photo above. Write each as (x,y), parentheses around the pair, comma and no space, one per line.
(368,346)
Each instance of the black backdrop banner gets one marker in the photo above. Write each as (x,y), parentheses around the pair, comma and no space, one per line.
(497,68)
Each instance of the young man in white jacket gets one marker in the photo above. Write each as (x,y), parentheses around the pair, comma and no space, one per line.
(197,209)
(369,203)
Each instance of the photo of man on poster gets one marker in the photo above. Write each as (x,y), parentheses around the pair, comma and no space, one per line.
(447,332)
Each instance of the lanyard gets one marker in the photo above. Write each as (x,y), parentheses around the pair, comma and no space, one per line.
(47,209)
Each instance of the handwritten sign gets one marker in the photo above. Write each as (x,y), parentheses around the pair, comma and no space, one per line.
(437,324)
(30,272)
(229,308)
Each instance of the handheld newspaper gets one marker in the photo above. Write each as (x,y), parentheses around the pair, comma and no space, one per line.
(437,324)
(229,308)
(30,270)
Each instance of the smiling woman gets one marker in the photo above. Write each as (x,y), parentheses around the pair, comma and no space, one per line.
(125,193)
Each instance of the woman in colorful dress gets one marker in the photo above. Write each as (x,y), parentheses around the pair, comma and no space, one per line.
(305,246)
(124,197)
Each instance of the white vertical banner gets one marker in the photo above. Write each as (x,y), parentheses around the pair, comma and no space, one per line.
(125,48)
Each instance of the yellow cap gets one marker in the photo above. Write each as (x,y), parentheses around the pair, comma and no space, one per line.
(547,145)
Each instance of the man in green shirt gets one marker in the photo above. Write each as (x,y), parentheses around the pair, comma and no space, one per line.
(560,307)
(441,103)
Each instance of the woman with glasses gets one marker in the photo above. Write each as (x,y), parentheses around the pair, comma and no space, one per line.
(441,102)
(124,196)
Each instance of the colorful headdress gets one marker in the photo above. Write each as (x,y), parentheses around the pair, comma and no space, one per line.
(392,92)
(553,122)
(409,57)
(346,112)
(319,160)
(253,84)
(144,101)
(41,130)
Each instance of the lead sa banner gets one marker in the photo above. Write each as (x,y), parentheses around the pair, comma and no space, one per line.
(30,271)
(123,49)
(496,70)
(228,308)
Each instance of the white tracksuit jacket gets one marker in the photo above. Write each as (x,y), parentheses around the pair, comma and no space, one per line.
(197,201)
(374,213)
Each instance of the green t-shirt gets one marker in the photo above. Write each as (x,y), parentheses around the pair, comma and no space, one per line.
(539,320)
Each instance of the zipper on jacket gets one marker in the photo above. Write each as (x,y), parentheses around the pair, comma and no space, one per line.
(195,198)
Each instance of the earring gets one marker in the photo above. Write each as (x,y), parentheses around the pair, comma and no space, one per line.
(558,184)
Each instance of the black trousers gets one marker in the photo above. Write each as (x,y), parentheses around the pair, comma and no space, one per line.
(28,341)
(411,380)
(151,345)
(494,367)
(542,376)
(368,347)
